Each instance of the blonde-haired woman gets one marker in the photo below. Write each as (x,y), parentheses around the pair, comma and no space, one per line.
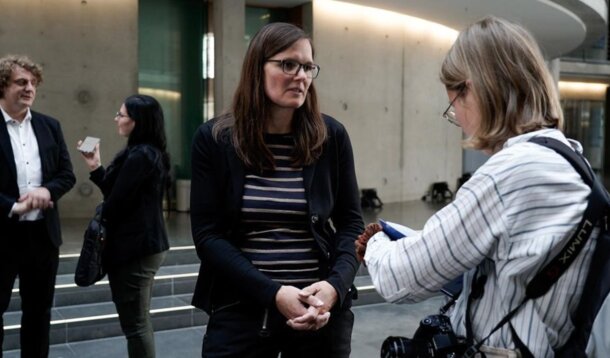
(512,216)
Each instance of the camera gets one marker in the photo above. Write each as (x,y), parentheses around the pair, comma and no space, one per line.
(433,338)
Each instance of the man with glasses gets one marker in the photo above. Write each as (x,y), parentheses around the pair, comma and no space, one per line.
(35,171)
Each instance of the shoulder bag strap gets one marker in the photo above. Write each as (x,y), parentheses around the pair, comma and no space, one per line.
(596,210)
(548,276)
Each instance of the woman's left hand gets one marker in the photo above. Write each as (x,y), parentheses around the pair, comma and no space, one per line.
(313,320)
(324,291)
(316,317)
(92,159)
(302,309)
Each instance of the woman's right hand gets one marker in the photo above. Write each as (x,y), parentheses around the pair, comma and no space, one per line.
(92,159)
(301,310)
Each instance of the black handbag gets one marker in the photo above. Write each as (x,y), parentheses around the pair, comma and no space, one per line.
(89,268)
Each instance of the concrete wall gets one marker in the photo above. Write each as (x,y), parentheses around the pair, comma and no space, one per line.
(230,48)
(379,77)
(89,51)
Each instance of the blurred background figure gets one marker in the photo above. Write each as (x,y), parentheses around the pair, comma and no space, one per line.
(133,186)
(35,172)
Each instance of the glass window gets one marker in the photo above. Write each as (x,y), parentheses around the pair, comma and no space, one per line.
(597,52)
(584,121)
(173,45)
(257,17)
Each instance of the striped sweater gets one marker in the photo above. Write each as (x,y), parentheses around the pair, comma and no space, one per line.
(509,219)
(275,219)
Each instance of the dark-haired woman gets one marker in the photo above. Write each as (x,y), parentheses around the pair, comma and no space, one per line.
(274,206)
(133,186)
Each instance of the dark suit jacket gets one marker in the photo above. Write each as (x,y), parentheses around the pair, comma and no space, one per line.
(57,175)
(216,199)
(132,211)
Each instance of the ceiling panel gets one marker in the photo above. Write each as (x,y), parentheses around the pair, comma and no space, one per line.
(560,26)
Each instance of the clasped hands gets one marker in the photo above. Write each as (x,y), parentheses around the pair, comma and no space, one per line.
(307,309)
(39,198)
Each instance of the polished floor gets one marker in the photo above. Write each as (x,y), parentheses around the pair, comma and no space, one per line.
(373,323)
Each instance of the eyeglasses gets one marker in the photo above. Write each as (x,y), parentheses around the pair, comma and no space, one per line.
(292,67)
(120,115)
(449,113)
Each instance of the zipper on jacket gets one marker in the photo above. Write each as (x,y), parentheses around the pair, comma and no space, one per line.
(264,332)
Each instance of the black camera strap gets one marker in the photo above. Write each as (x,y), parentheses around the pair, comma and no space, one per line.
(476,291)
(597,209)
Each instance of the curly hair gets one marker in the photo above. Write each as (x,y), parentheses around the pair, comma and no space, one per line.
(8,63)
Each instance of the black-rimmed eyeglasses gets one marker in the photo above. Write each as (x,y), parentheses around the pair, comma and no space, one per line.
(449,113)
(292,67)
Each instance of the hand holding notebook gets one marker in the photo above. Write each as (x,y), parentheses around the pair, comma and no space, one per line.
(396,231)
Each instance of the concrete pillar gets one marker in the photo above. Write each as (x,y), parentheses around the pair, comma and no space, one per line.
(229,47)
(554,67)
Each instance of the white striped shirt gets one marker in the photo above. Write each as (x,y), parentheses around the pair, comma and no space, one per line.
(510,219)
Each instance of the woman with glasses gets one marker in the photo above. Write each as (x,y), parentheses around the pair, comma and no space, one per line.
(514,214)
(133,186)
(275,211)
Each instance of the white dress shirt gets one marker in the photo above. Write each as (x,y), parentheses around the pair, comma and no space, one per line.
(509,219)
(27,158)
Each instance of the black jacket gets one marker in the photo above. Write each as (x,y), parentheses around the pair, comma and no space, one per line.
(216,199)
(57,175)
(132,211)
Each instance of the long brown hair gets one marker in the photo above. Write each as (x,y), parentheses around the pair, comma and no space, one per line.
(513,87)
(251,106)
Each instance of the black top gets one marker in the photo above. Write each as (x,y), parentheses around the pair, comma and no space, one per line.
(57,175)
(133,199)
(216,200)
